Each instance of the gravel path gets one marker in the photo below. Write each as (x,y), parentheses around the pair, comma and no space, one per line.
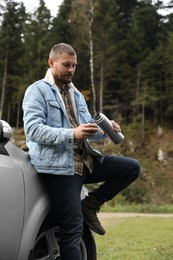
(108,215)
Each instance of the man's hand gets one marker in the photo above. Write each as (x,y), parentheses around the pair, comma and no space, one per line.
(116,126)
(85,131)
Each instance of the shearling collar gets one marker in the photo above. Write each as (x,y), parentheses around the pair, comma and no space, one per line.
(50,80)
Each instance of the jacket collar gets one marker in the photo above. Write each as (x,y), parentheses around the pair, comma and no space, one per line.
(50,80)
(49,77)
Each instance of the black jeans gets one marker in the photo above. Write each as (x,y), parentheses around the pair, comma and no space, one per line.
(116,173)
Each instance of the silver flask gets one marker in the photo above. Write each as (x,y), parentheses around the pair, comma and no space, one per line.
(105,124)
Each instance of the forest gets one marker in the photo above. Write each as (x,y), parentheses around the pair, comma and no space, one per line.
(125,70)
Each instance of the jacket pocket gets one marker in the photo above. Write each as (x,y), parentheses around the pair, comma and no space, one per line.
(54,113)
(54,103)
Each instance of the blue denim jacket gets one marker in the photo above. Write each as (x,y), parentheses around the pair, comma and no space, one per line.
(49,136)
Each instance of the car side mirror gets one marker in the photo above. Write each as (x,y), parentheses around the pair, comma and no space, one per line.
(5,131)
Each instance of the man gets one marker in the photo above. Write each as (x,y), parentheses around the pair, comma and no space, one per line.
(57,126)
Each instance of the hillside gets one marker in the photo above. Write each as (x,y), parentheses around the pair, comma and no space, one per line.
(155,153)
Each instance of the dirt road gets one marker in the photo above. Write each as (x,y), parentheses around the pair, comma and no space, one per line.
(109,215)
(106,217)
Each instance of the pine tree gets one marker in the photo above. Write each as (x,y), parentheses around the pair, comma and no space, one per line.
(11,46)
(37,42)
(61,27)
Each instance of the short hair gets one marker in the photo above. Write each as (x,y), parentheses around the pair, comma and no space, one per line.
(59,48)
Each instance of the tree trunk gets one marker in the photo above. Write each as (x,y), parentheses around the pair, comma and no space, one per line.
(3,85)
(91,57)
(161,103)
(18,115)
(101,85)
(138,80)
(143,120)
(9,112)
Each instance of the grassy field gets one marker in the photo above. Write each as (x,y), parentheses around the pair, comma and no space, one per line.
(136,238)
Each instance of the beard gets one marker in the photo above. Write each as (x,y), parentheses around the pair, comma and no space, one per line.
(65,78)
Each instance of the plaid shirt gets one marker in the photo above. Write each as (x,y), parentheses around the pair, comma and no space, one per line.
(80,156)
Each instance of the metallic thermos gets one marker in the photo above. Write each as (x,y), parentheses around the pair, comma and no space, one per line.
(104,123)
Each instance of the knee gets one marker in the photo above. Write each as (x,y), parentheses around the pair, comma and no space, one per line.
(136,168)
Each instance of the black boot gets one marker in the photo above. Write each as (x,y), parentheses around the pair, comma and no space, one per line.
(90,207)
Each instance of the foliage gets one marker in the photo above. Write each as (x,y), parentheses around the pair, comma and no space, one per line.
(132,55)
(155,154)
(11,55)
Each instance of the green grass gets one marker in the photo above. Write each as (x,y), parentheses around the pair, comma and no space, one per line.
(137,238)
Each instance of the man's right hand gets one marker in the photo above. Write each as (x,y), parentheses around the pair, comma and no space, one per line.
(85,131)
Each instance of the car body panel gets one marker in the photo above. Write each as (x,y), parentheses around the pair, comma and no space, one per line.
(36,204)
(11,207)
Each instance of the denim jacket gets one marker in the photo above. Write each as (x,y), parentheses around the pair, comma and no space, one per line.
(49,136)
